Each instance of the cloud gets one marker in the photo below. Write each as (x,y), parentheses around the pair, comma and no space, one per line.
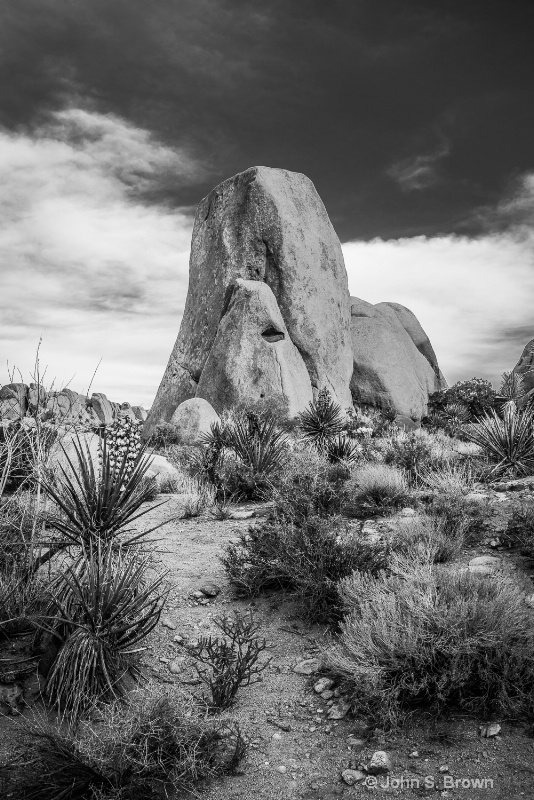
(419,172)
(87,259)
(473,296)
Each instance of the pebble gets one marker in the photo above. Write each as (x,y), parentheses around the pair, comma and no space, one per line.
(282,770)
(352,776)
(339,710)
(276,736)
(176,666)
(407,512)
(485,565)
(444,768)
(380,763)
(354,742)
(178,639)
(210,589)
(414,754)
(242,515)
(491,730)
(307,667)
(327,694)
(322,685)
(168,623)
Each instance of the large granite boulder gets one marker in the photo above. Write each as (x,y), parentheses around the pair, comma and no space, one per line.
(13,401)
(390,371)
(103,408)
(253,358)
(525,368)
(192,419)
(269,226)
(415,331)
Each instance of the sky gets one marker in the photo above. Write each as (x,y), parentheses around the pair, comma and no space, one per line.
(414,120)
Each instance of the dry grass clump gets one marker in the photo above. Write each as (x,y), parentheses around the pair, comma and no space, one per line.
(154,747)
(429,638)
(195,497)
(455,479)
(376,489)
(427,537)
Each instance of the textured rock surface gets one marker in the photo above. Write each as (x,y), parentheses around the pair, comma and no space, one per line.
(525,368)
(13,400)
(265,225)
(103,408)
(413,328)
(253,358)
(389,369)
(193,418)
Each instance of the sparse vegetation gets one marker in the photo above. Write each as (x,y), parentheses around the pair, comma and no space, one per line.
(322,421)
(376,489)
(508,442)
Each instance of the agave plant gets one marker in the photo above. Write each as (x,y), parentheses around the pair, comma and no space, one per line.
(322,420)
(507,442)
(101,608)
(97,505)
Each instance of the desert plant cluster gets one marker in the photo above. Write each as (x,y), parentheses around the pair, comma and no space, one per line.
(365,528)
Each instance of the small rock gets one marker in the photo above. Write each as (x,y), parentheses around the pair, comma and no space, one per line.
(197,594)
(327,694)
(339,710)
(444,768)
(352,776)
(491,730)
(178,639)
(210,589)
(485,565)
(276,736)
(307,667)
(380,763)
(322,685)
(282,770)
(407,512)
(495,543)
(168,623)
(242,515)
(176,666)
(414,754)
(355,742)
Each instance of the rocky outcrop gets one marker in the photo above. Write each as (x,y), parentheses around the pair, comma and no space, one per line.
(525,368)
(192,419)
(267,226)
(253,358)
(13,401)
(390,370)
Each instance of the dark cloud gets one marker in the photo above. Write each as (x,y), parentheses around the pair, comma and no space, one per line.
(339,90)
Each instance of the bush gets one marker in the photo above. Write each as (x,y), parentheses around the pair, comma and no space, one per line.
(163,436)
(231,662)
(477,396)
(427,638)
(508,442)
(429,537)
(308,559)
(342,449)
(154,747)
(520,526)
(412,452)
(195,496)
(376,489)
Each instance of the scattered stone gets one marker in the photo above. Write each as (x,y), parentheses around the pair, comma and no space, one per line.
(284,726)
(168,623)
(339,710)
(277,737)
(307,667)
(353,741)
(380,763)
(444,768)
(178,639)
(407,512)
(352,776)
(210,589)
(176,666)
(282,770)
(327,694)
(414,754)
(197,594)
(490,731)
(242,515)
(322,685)
(495,543)
(485,565)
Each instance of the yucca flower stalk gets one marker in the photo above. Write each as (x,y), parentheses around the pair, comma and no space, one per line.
(98,505)
(101,608)
(507,442)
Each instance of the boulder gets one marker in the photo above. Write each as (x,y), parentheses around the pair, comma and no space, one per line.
(13,401)
(413,328)
(139,413)
(253,357)
(103,408)
(389,371)
(525,368)
(162,470)
(127,411)
(36,397)
(192,418)
(268,226)
(64,450)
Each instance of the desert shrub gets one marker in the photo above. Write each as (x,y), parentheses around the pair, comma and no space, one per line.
(163,436)
(309,486)
(520,526)
(455,478)
(22,600)
(341,448)
(308,559)
(477,396)
(508,442)
(364,423)
(428,638)
(427,537)
(322,420)
(195,497)
(376,489)
(96,505)
(411,452)
(101,607)
(239,480)
(152,747)
(225,664)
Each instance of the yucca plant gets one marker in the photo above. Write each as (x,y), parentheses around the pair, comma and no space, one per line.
(512,390)
(101,608)
(257,442)
(322,420)
(508,442)
(342,448)
(97,505)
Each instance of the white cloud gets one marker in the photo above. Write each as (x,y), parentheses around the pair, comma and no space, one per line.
(472,296)
(77,241)
(419,172)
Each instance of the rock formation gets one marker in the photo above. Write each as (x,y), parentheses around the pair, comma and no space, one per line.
(192,419)
(390,370)
(269,226)
(267,315)
(525,368)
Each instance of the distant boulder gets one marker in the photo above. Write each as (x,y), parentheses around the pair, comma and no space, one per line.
(389,370)
(525,368)
(13,401)
(193,418)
